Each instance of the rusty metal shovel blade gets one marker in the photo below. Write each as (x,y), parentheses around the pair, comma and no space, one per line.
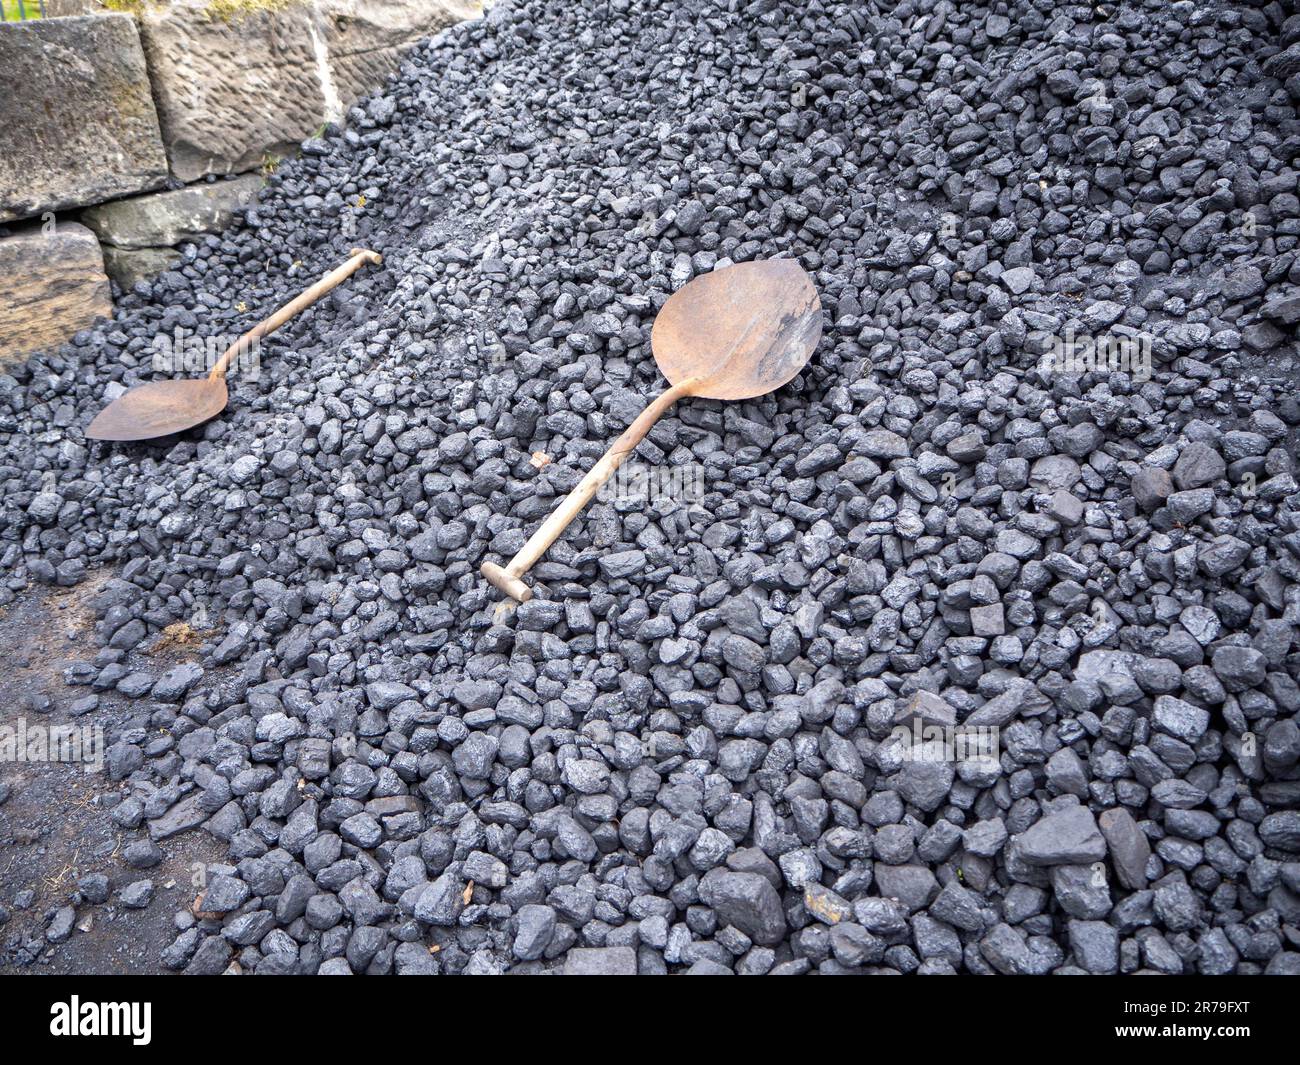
(162,408)
(736,333)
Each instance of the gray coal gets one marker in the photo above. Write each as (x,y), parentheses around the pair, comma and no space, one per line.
(1037,484)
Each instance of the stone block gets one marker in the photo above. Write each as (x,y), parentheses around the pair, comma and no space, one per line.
(81,126)
(52,285)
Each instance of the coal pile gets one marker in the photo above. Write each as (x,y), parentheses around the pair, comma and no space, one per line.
(1036,487)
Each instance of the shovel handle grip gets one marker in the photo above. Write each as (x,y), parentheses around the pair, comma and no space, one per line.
(360,256)
(508,579)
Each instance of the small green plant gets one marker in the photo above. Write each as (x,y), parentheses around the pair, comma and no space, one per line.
(224,10)
(21,10)
(232,10)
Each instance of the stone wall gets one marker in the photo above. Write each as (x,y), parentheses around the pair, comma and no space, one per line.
(123,120)
(81,125)
(230,93)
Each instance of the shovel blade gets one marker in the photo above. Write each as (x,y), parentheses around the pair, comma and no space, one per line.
(741,331)
(159,409)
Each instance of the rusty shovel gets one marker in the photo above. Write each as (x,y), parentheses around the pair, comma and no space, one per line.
(736,333)
(165,407)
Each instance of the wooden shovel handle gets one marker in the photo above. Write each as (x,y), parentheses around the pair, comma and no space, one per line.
(508,579)
(360,256)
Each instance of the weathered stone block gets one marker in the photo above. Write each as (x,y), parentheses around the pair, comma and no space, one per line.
(82,127)
(68,8)
(52,285)
(365,42)
(160,219)
(233,90)
(126,266)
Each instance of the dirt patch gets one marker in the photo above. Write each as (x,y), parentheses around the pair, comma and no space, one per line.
(54,824)
(180,638)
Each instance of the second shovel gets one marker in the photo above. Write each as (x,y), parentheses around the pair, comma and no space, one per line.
(161,408)
(736,333)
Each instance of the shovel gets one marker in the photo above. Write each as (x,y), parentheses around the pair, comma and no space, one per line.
(736,333)
(165,407)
